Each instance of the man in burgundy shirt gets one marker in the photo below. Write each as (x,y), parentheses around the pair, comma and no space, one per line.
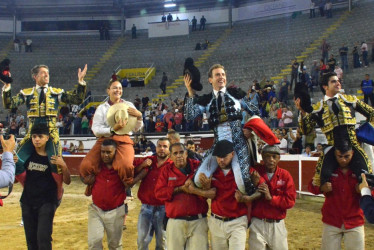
(152,212)
(185,207)
(267,230)
(341,212)
(228,222)
(107,211)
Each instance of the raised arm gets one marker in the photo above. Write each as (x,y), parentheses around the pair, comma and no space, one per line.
(76,95)
(10,102)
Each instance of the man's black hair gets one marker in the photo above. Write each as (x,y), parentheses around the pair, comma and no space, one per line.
(190,142)
(176,145)
(343,146)
(325,80)
(40,129)
(109,142)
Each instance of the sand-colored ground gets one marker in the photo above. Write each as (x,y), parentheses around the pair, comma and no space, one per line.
(70,224)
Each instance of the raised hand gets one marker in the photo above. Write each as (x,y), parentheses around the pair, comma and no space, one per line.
(8,145)
(82,73)
(187,83)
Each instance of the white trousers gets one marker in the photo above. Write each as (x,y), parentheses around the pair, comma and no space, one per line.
(110,222)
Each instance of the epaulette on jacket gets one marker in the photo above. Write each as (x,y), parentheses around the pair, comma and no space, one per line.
(28,91)
(317,107)
(56,91)
(204,99)
(237,93)
(349,98)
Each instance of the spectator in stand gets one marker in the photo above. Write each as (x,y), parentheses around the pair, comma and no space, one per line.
(147,115)
(163,18)
(22,130)
(287,117)
(168,118)
(80,148)
(84,125)
(283,144)
(283,91)
(325,47)
(367,87)
(314,73)
(194,23)
(133,32)
(152,124)
(16,43)
(331,62)
(356,57)
(137,102)
(170,17)
(364,51)
(77,125)
(273,116)
(267,228)
(297,145)
(164,81)
(253,97)
(318,151)
(145,101)
(322,67)
(328,8)
(294,72)
(343,52)
(28,47)
(205,123)
(321,8)
(307,152)
(178,118)
(114,76)
(13,127)
(339,72)
(159,126)
(312,11)
(202,23)
(341,213)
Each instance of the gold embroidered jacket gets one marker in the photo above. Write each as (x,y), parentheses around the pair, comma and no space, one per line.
(47,111)
(327,120)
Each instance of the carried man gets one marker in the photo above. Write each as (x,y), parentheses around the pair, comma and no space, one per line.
(224,108)
(335,115)
(42,102)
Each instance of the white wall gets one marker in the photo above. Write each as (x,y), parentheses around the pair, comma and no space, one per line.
(6,25)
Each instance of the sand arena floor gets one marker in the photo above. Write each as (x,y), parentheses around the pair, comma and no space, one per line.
(70,224)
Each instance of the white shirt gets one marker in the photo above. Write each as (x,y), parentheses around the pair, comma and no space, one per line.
(287,120)
(100,127)
(364,47)
(223,90)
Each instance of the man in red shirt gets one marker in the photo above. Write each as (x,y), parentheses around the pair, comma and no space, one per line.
(228,222)
(178,119)
(341,212)
(267,230)
(152,212)
(187,225)
(107,211)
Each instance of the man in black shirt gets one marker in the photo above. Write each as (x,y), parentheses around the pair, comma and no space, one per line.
(194,22)
(294,72)
(42,191)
